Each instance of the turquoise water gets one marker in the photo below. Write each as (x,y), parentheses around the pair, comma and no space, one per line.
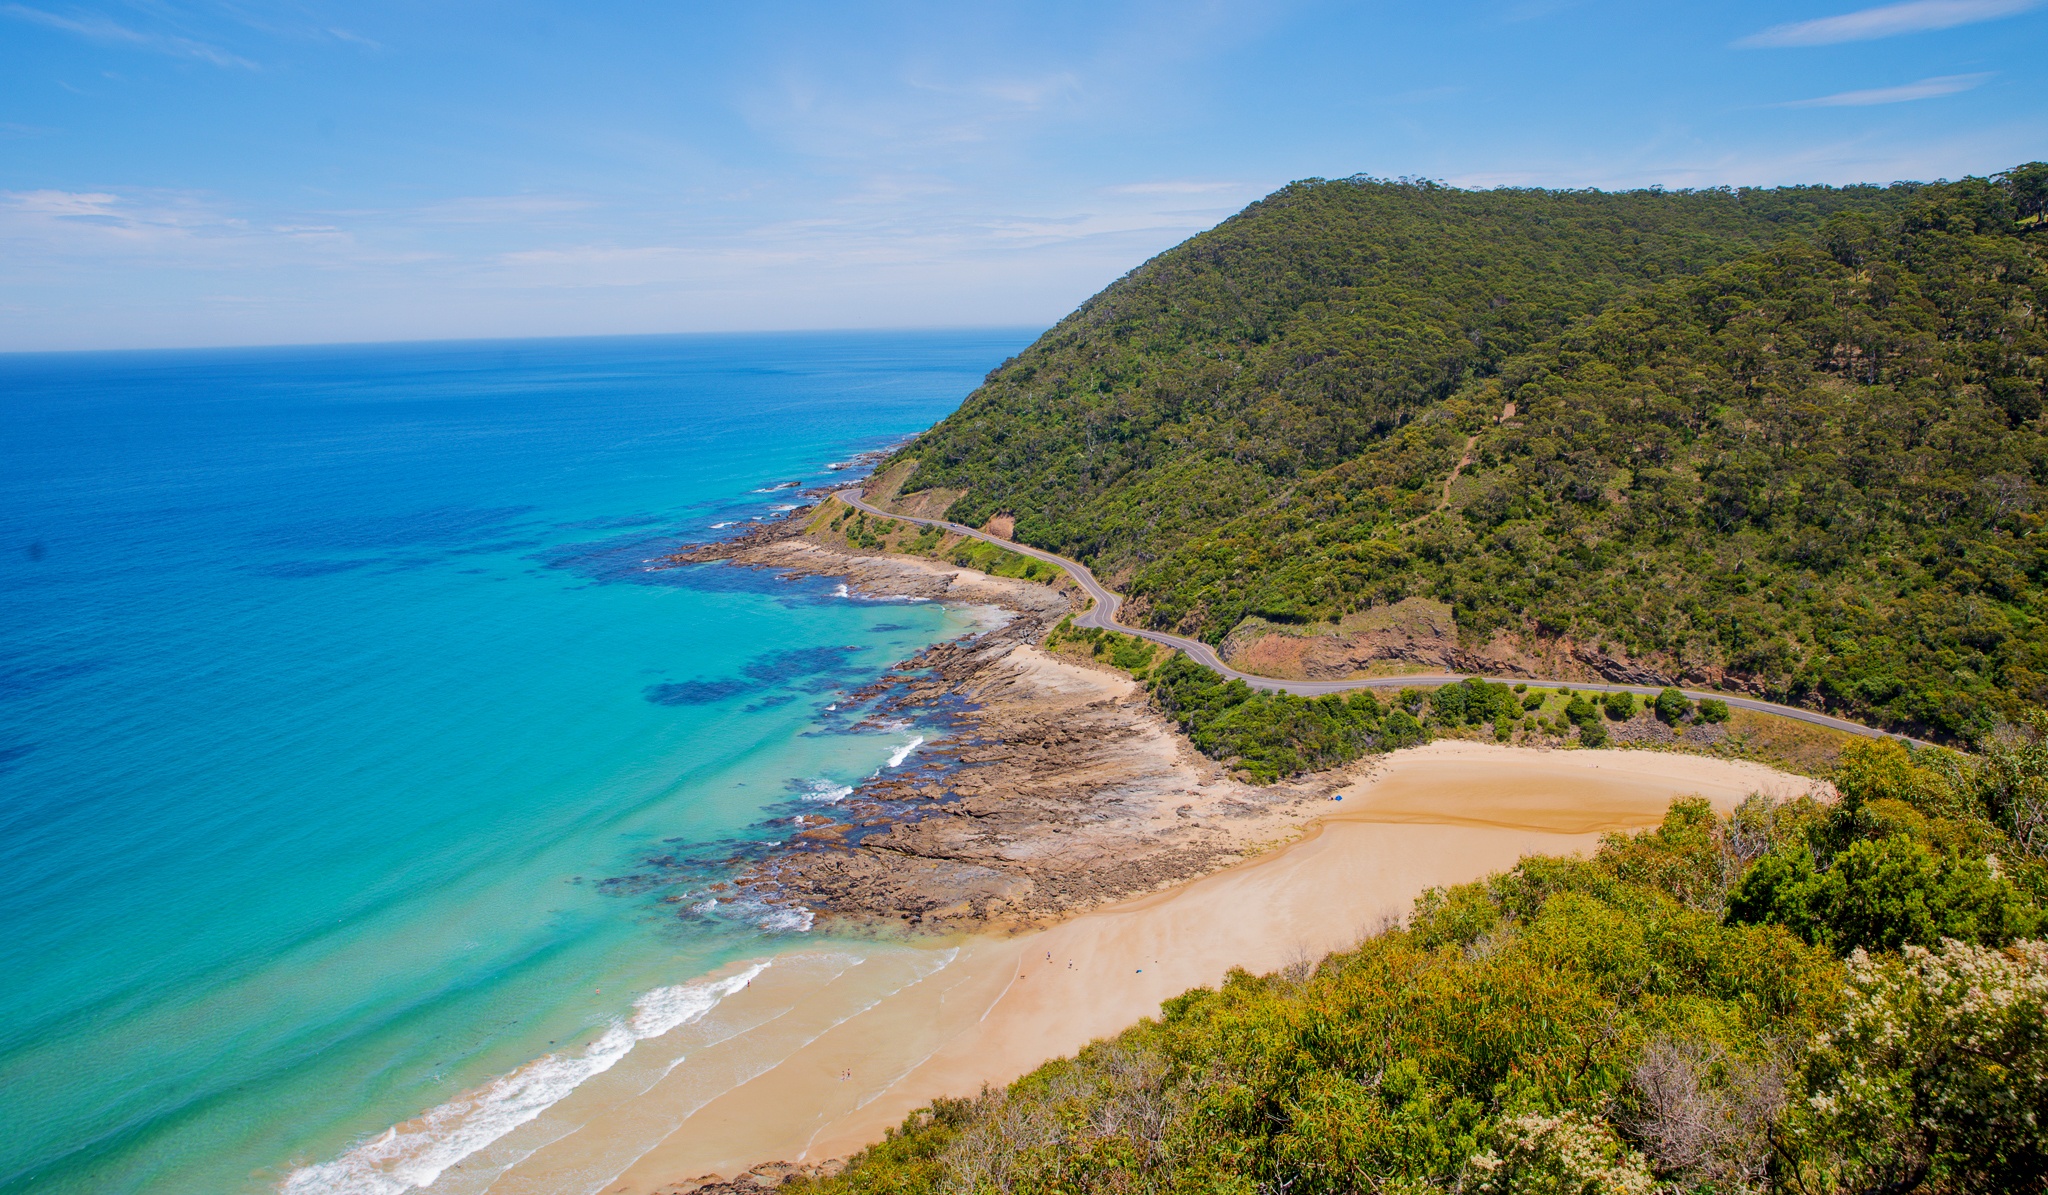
(334,687)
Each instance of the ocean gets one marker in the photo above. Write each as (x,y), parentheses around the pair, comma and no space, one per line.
(343,723)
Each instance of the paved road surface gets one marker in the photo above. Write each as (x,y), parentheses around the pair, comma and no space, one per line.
(1103,614)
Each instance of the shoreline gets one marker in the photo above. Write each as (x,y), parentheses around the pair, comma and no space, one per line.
(1054,788)
(906,1022)
(1050,786)
(1043,864)
(1057,830)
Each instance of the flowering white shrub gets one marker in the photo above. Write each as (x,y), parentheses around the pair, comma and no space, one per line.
(1567,1154)
(1937,1071)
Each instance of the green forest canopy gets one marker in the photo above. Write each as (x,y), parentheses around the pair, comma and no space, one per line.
(1791,437)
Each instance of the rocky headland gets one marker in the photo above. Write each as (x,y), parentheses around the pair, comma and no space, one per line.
(1055,788)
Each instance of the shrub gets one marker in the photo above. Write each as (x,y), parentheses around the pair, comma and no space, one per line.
(1704,1115)
(1883,769)
(1473,702)
(1671,706)
(1268,735)
(1586,716)
(1001,562)
(1935,1077)
(2010,786)
(1713,709)
(1568,1154)
(1573,1025)
(1620,706)
(1882,895)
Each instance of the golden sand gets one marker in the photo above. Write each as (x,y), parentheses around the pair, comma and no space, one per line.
(835,1054)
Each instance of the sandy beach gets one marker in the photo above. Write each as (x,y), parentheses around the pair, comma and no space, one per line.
(846,1038)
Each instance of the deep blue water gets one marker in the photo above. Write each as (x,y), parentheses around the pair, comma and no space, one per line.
(334,683)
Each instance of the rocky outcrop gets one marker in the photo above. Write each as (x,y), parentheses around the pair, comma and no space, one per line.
(1063,789)
(766,1177)
(1420,635)
(1056,786)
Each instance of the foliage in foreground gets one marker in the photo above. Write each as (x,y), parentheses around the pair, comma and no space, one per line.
(1572,1026)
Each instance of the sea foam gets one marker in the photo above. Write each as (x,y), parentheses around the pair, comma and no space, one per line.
(825,792)
(412,1155)
(903,752)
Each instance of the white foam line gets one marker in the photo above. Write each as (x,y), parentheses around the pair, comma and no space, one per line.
(828,793)
(902,1073)
(566,1131)
(943,963)
(1000,996)
(414,1154)
(903,752)
(850,962)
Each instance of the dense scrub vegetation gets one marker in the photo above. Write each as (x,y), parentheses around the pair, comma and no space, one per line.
(1266,735)
(1128,652)
(902,535)
(1792,437)
(1628,1023)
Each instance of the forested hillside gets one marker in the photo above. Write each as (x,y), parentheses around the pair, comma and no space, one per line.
(1789,440)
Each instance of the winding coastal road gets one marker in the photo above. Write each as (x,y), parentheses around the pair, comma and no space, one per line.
(1103,614)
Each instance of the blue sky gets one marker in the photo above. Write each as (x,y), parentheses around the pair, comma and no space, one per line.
(244,172)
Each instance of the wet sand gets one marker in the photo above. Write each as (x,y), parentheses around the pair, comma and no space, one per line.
(837,1054)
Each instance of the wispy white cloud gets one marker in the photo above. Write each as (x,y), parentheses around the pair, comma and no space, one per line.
(340,34)
(164,228)
(62,203)
(100,29)
(1889,20)
(1925,89)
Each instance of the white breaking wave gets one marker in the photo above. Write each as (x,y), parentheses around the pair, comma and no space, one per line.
(790,919)
(767,914)
(824,792)
(413,1155)
(724,525)
(903,752)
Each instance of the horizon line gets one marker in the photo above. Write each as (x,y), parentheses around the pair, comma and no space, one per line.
(6,354)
